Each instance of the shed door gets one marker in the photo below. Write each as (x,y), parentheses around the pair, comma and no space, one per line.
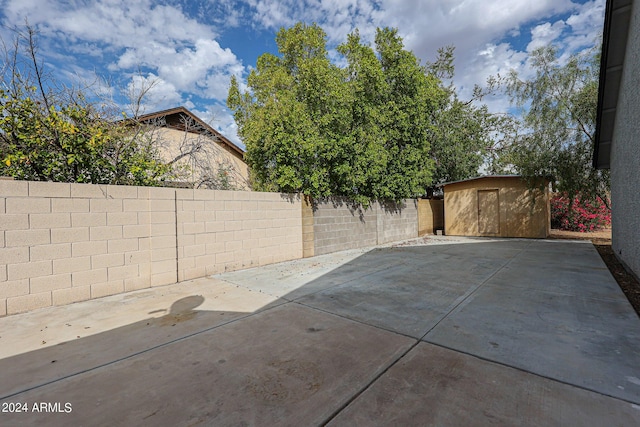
(488,212)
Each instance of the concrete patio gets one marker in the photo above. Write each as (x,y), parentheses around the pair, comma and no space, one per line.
(442,331)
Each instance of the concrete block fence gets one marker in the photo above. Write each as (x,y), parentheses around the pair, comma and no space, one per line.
(336,225)
(61,243)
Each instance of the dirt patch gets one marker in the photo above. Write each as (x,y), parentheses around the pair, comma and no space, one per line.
(602,242)
(602,237)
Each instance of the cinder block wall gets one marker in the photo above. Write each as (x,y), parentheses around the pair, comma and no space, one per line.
(339,226)
(71,242)
(61,243)
(229,230)
(397,221)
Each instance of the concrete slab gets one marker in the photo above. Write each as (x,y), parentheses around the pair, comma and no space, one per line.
(527,333)
(572,268)
(554,310)
(424,284)
(387,301)
(293,279)
(289,365)
(433,386)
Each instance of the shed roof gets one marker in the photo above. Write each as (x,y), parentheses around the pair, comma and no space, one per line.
(479,178)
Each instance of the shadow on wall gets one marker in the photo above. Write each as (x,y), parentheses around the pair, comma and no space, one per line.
(460,214)
(430,216)
(391,207)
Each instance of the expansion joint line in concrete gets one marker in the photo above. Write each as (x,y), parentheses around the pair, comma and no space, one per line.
(155,347)
(484,359)
(473,290)
(323,311)
(399,358)
(369,384)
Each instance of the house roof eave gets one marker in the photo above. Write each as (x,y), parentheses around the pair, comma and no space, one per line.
(182,110)
(614,40)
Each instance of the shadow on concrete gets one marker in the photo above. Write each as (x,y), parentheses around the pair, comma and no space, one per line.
(338,323)
(37,368)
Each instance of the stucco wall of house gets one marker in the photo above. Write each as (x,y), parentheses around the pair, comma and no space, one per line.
(625,155)
(170,141)
(522,212)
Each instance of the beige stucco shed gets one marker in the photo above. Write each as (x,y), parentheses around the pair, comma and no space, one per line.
(496,206)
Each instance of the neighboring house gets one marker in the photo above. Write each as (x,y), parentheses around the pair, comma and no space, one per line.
(206,158)
(617,145)
(496,206)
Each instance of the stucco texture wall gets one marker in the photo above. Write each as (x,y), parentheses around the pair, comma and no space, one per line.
(430,216)
(171,140)
(625,155)
(496,207)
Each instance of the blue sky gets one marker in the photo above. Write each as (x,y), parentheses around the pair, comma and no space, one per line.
(190,48)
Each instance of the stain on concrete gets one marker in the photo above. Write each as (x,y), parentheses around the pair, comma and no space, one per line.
(181,310)
(286,380)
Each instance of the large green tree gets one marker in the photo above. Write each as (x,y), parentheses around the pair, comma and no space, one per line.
(361,131)
(466,132)
(555,136)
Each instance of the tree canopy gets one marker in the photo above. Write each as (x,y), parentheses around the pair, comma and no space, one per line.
(555,135)
(363,130)
(465,133)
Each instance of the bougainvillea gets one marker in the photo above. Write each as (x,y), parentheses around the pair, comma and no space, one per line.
(583,215)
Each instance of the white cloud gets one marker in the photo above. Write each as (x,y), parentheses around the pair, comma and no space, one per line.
(220,118)
(158,93)
(118,23)
(139,35)
(474,27)
(423,23)
(586,25)
(337,17)
(192,66)
(545,34)
(177,42)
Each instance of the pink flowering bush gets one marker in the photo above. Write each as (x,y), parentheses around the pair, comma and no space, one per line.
(585,215)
